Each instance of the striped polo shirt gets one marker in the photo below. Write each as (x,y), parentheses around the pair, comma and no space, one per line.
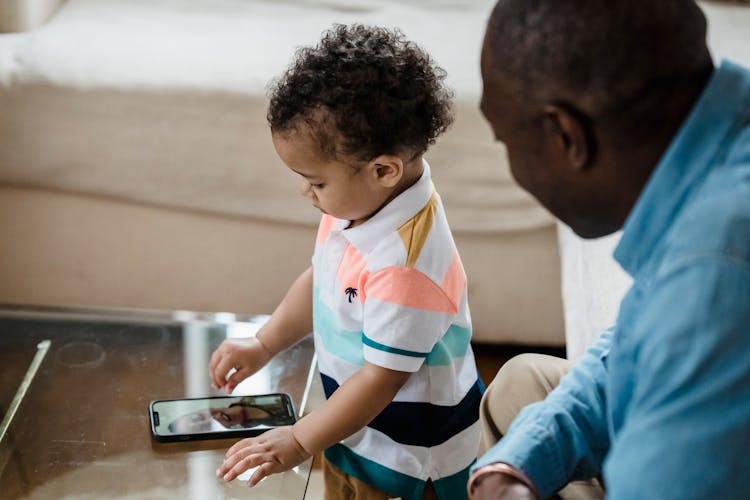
(392,292)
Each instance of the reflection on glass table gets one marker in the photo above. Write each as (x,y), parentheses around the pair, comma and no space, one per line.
(80,423)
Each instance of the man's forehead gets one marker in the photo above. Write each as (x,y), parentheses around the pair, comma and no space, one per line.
(494,70)
(486,57)
(498,91)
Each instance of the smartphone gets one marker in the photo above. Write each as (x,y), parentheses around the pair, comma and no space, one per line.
(219,417)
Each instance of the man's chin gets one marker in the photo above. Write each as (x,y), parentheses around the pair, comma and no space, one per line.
(592,231)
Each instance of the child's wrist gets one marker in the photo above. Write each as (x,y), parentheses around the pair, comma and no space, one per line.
(300,444)
(264,345)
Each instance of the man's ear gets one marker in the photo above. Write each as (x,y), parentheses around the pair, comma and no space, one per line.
(569,132)
(387,170)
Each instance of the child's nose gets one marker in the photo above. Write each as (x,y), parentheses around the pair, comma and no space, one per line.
(307,191)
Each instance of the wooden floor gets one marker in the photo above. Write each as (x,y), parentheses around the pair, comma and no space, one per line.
(490,357)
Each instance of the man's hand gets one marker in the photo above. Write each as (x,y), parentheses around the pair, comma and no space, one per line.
(498,486)
(273,451)
(246,356)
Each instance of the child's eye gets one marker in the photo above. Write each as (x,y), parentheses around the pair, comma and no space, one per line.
(317,186)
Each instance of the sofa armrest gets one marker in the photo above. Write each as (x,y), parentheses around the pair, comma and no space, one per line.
(593,284)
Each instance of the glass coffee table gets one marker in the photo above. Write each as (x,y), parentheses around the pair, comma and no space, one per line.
(75,386)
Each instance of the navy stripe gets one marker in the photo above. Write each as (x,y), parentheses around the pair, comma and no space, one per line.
(422,424)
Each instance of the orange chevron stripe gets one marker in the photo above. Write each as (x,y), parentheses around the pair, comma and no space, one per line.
(454,281)
(352,272)
(414,231)
(324,228)
(410,288)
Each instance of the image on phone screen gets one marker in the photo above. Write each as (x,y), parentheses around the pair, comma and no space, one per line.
(219,417)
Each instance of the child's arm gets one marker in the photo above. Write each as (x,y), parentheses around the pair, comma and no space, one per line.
(291,321)
(354,404)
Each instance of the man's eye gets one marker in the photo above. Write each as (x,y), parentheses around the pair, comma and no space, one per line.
(317,186)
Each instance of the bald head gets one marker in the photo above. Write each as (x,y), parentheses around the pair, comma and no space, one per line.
(587,95)
(605,56)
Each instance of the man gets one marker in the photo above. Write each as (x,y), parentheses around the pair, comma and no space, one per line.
(614,117)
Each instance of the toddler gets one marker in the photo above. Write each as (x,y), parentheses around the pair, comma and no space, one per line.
(386,293)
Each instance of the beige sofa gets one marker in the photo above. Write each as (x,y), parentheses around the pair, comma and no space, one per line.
(136,168)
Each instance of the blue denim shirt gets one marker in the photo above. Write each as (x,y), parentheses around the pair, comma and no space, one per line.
(660,404)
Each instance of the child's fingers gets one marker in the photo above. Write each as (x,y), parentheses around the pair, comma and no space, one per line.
(244,464)
(239,462)
(266,469)
(272,452)
(238,376)
(212,376)
(220,372)
(244,443)
(238,454)
(221,362)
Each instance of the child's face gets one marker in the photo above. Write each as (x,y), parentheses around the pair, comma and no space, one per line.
(334,187)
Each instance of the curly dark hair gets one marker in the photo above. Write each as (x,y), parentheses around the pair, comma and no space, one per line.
(363,91)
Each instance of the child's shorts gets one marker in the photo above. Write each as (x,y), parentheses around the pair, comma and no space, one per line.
(341,486)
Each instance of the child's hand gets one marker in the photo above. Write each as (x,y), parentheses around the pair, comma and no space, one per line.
(246,356)
(273,451)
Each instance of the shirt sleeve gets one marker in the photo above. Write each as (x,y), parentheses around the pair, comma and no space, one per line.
(686,433)
(405,315)
(564,437)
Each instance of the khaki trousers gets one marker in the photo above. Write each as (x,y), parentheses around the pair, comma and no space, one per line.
(523,380)
(341,486)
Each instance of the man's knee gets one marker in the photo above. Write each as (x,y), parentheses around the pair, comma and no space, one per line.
(522,380)
(517,371)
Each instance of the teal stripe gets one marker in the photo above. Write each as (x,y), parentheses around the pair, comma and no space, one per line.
(347,345)
(394,350)
(454,344)
(381,477)
(453,486)
(343,344)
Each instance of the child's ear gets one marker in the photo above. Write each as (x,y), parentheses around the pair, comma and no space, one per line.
(387,170)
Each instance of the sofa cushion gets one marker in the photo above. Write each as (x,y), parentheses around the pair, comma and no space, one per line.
(175,116)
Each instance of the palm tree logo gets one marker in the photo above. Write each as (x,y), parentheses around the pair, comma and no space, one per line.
(351,292)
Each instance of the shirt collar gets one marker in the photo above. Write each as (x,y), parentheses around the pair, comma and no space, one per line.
(687,160)
(392,216)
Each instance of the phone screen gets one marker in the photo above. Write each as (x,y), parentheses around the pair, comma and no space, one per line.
(218,417)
